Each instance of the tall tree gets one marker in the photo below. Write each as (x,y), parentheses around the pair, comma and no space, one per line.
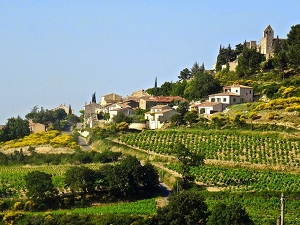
(155,82)
(94,98)
(185,74)
(195,69)
(187,158)
(293,40)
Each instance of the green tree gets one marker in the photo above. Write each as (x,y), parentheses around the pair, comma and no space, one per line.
(40,188)
(183,208)
(80,179)
(149,177)
(232,214)
(187,159)
(133,168)
(191,117)
(249,62)
(121,117)
(178,88)
(293,40)
(166,88)
(202,85)
(15,128)
(153,91)
(195,69)
(177,120)
(185,74)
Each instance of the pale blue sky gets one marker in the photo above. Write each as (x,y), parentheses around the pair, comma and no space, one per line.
(62,51)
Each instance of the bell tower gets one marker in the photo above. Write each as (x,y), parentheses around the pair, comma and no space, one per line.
(266,41)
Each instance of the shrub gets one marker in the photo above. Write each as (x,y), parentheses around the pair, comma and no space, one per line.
(18,206)
(273,116)
(28,206)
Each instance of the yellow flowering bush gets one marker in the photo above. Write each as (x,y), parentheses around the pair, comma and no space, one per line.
(53,137)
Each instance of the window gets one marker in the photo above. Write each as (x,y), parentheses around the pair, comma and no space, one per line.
(212,99)
(224,99)
(218,99)
(233,99)
(250,92)
(236,91)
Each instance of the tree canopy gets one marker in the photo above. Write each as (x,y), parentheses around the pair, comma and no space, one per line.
(183,208)
(15,128)
(232,214)
(40,188)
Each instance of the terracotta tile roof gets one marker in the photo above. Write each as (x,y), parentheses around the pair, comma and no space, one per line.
(225,94)
(237,85)
(203,104)
(161,111)
(162,98)
(161,107)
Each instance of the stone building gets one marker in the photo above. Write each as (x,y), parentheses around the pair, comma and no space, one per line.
(110,98)
(265,47)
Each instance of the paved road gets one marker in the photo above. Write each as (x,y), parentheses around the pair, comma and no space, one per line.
(83,144)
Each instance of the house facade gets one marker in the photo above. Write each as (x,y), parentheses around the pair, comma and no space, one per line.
(36,127)
(231,95)
(158,115)
(91,112)
(245,92)
(208,107)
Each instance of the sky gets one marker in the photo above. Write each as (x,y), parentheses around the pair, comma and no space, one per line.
(61,52)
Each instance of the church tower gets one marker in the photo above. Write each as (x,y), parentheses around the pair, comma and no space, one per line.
(266,42)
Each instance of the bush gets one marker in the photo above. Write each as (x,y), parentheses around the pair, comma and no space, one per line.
(18,206)
(273,116)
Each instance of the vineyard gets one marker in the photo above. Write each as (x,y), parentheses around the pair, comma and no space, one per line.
(269,149)
(12,181)
(257,189)
(241,179)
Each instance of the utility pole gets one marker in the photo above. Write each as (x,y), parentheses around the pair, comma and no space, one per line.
(282,209)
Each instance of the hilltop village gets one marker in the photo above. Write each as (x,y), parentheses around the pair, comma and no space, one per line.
(218,146)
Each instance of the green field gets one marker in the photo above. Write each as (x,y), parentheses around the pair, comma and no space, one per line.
(142,207)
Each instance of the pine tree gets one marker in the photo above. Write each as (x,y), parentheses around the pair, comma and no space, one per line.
(94,98)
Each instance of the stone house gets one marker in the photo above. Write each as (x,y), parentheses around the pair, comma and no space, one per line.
(36,127)
(158,115)
(110,98)
(151,101)
(67,109)
(91,112)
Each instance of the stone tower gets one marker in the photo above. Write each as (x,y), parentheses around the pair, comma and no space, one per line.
(266,41)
